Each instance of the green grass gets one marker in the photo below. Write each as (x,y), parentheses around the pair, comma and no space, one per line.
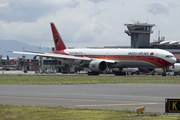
(11,112)
(76,79)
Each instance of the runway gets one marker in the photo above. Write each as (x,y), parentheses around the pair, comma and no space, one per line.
(95,96)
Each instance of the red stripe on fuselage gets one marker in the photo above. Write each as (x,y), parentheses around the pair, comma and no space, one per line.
(159,62)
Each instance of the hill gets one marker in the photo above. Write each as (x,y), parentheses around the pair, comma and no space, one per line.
(14,45)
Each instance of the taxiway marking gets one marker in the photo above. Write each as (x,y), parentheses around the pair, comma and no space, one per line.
(118,103)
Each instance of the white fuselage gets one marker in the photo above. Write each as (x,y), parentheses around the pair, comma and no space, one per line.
(151,58)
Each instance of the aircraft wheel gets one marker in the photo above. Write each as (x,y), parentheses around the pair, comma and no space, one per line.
(93,73)
(124,73)
(163,74)
(120,73)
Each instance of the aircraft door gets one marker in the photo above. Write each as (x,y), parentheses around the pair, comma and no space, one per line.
(155,57)
(135,57)
(107,56)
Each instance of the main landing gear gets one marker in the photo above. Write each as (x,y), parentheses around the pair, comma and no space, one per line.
(93,73)
(120,73)
(164,72)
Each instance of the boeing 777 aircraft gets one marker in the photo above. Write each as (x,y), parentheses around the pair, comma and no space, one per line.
(99,60)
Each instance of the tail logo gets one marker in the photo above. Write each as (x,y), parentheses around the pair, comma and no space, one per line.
(57,41)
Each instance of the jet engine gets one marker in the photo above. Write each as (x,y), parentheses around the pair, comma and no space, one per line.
(146,70)
(98,66)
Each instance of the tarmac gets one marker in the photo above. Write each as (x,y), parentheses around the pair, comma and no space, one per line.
(94,96)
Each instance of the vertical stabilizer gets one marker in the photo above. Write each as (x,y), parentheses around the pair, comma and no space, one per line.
(59,44)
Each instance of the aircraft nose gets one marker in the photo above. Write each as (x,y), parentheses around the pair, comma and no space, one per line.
(173,60)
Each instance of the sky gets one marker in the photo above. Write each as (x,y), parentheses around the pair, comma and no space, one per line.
(86,23)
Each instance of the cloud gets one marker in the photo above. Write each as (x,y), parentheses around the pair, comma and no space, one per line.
(97,1)
(30,11)
(83,23)
(157,8)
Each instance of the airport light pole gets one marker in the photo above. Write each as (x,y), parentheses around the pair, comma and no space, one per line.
(40,48)
(23,60)
(40,61)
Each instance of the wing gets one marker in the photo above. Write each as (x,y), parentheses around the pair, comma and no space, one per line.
(61,57)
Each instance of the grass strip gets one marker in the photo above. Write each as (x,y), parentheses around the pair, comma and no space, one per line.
(76,79)
(12,112)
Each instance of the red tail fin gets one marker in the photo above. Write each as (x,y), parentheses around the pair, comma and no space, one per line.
(59,44)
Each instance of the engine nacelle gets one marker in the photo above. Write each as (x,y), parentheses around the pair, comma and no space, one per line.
(98,66)
(146,70)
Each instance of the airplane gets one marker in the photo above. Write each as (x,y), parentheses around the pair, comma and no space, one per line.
(175,67)
(141,70)
(100,60)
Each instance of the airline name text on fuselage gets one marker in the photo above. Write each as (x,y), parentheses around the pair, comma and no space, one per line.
(76,53)
(138,53)
(130,53)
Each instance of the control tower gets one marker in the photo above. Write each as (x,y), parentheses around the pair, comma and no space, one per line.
(140,34)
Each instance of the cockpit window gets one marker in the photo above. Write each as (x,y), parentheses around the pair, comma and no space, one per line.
(169,56)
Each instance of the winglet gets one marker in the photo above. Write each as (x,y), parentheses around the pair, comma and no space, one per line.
(59,44)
